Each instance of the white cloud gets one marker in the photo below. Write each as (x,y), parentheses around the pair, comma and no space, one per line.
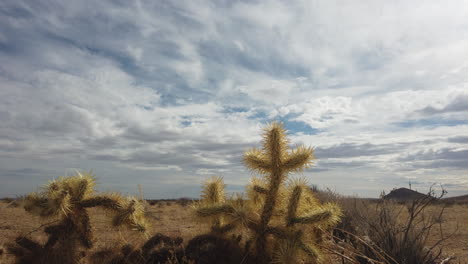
(169,90)
(135,52)
(269,91)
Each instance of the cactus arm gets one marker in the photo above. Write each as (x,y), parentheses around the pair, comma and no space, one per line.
(102,201)
(299,158)
(271,196)
(83,227)
(279,232)
(255,160)
(80,190)
(314,218)
(292,206)
(124,214)
(275,143)
(310,250)
(213,191)
(215,210)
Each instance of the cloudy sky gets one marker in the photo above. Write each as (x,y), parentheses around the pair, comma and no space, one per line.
(168,93)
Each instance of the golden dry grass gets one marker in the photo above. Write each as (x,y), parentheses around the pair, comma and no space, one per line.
(171,220)
(176,220)
(454,221)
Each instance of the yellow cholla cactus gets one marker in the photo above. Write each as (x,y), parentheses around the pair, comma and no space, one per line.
(282,215)
(67,199)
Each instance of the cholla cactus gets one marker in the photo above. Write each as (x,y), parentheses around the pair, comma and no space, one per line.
(68,199)
(213,196)
(273,199)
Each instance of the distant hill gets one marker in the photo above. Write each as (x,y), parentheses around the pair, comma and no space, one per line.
(404,194)
(457,199)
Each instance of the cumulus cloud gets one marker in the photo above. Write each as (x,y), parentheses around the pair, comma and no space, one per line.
(355,150)
(458,104)
(445,153)
(459,139)
(173,92)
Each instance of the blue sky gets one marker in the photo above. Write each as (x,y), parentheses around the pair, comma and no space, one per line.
(168,93)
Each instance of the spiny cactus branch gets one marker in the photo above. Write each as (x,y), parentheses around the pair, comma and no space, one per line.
(314,218)
(215,210)
(101,201)
(256,161)
(312,251)
(213,193)
(299,159)
(292,206)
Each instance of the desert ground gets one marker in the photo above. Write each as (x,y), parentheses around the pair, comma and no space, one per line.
(455,223)
(174,219)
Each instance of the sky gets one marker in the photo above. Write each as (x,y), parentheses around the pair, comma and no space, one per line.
(165,94)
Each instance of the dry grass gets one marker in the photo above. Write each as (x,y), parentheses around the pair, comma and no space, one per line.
(169,218)
(455,219)
(175,220)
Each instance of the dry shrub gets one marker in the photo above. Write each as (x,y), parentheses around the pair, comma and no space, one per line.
(152,202)
(12,202)
(7,200)
(378,231)
(184,201)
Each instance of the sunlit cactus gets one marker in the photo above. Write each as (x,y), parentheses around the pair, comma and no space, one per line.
(67,199)
(283,215)
(213,198)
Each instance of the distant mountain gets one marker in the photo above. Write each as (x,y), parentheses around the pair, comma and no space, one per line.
(404,194)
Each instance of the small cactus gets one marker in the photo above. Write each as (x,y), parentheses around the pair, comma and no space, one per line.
(273,199)
(68,199)
(213,198)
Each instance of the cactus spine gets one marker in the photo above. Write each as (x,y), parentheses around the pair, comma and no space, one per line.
(274,199)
